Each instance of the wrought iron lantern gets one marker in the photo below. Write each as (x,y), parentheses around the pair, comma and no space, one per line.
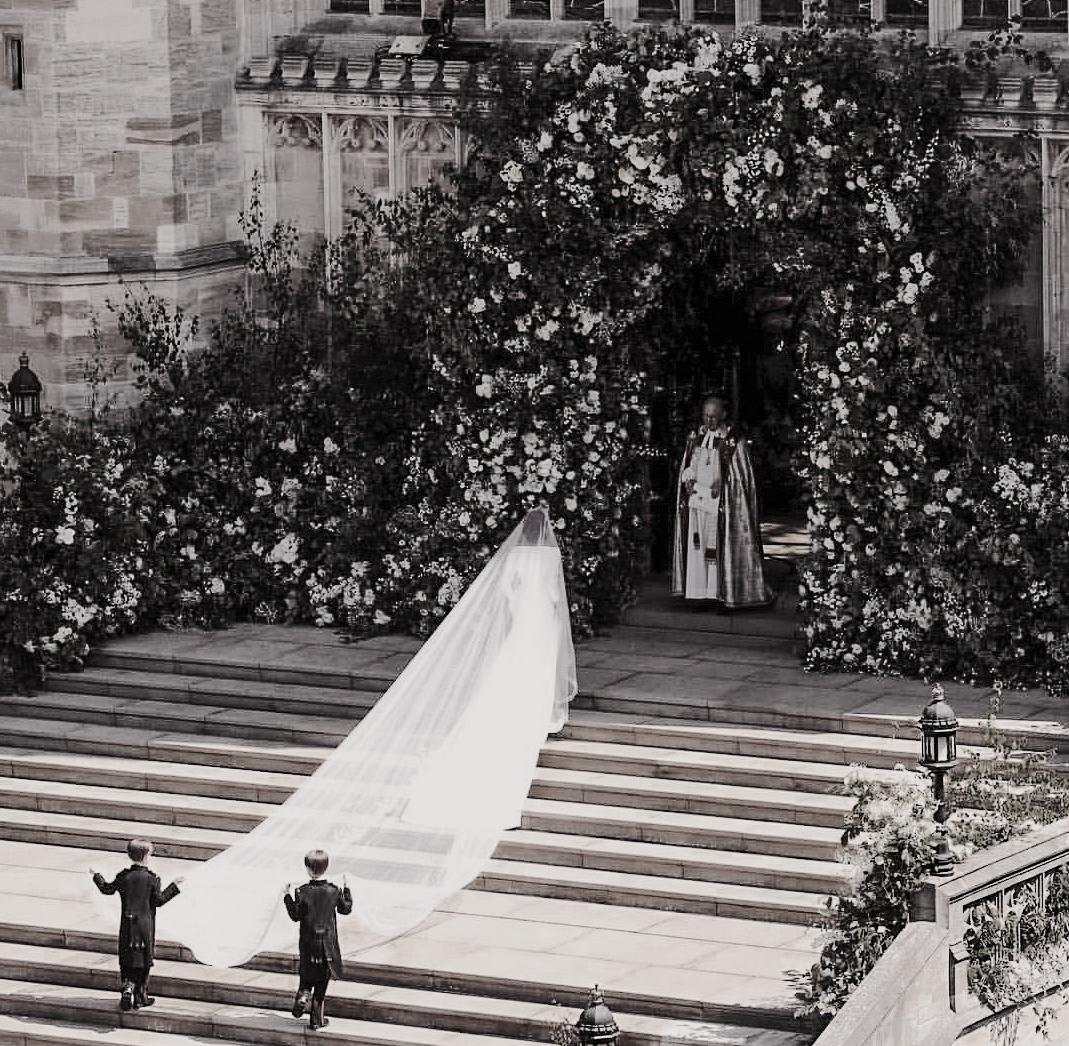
(939,733)
(25,391)
(596,1025)
(939,755)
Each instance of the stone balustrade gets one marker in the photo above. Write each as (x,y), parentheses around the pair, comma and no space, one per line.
(918,993)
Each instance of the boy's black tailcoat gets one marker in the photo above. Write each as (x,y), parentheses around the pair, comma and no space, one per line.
(141,895)
(313,906)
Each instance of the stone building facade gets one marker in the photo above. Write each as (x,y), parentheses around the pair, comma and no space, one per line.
(132,131)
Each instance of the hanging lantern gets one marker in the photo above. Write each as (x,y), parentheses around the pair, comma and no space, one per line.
(25,391)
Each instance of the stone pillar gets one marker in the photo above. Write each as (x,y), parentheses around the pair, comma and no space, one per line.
(944,17)
(747,12)
(621,13)
(1055,201)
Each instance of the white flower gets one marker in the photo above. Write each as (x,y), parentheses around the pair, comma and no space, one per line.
(890,468)
(381,618)
(329,446)
(289,446)
(64,535)
(285,551)
(263,488)
(544,141)
(477,305)
(515,269)
(512,174)
(216,586)
(584,170)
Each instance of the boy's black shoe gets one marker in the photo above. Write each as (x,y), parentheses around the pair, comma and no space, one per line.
(126,1000)
(300,1002)
(145,1000)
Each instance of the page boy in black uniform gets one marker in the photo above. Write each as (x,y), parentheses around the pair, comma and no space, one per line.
(140,893)
(315,906)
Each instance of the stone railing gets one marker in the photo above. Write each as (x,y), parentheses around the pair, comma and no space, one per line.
(918,992)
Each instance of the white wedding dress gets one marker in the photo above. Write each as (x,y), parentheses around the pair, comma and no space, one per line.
(475,776)
(411,805)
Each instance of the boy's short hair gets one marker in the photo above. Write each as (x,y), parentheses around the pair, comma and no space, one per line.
(316,861)
(138,849)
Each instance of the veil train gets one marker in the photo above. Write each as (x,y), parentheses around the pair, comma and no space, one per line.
(411,805)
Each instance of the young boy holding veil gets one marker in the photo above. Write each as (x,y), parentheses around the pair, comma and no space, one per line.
(315,905)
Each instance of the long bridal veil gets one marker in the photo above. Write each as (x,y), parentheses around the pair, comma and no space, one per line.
(411,805)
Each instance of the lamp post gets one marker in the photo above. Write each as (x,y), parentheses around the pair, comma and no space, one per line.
(596,1025)
(939,755)
(24,389)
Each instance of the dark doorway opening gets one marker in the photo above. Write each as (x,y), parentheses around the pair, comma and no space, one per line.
(734,344)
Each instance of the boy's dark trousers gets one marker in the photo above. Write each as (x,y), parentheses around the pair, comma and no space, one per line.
(134,986)
(312,991)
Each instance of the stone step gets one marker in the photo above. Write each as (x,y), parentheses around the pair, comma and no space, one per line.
(165,716)
(682,829)
(324,702)
(266,997)
(876,747)
(736,901)
(132,772)
(104,806)
(207,1021)
(160,809)
(782,771)
(664,860)
(711,799)
(148,745)
(484,958)
(38,1031)
(316,659)
(373,666)
(557,753)
(679,829)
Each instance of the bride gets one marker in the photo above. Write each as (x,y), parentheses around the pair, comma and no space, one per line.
(411,805)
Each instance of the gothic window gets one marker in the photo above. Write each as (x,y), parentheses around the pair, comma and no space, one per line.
(584,10)
(658,10)
(364,153)
(985,13)
(1044,15)
(785,12)
(720,11)
(402,7)
(471,9)
(14,66)
(529,9)
(429,147)
(850,11)
(297,159)
(906,12)
(355,7)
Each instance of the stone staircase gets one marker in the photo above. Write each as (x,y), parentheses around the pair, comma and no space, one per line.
(633,814)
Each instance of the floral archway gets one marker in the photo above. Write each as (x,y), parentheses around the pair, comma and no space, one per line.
(828,167)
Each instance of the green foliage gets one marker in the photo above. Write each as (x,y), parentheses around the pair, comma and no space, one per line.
(888,843)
